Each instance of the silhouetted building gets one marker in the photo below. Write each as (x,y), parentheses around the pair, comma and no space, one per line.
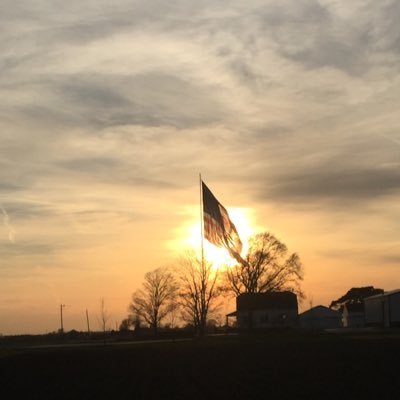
(320,317)
(353,315)
(266,310)
(383,309)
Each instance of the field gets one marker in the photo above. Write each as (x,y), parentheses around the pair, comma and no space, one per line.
(268,366)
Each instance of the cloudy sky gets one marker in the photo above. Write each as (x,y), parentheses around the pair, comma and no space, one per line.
(110,109)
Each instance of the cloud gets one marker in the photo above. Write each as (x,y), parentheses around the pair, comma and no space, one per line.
(247,72)
(112,171)
(101,100)
(9,251)
(91,165)
(345,172)
(22,210)
(8,226)
(350,38)
(323,183)
(267,89)
(373,257)
(8,186)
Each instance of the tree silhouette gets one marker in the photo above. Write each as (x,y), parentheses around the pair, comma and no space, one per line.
(125,324)
(355,295)
(155,299)
(267,267)
(198,290)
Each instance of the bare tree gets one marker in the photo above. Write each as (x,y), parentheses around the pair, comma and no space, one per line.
(198,290)
(104,315)
(125,324)
(267,267)
(156,299)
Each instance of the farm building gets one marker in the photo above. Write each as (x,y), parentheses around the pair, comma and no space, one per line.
(266,310)
(383,309)
(320,317)
(353,315)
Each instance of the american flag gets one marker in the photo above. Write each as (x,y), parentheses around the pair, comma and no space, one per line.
(218,228)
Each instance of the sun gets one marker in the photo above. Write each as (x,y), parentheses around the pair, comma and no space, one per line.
(190,236)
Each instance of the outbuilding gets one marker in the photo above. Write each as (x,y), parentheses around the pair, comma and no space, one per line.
(319,318)
(383,310)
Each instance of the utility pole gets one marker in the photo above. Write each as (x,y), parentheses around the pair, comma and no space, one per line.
(61,314)
(87,320)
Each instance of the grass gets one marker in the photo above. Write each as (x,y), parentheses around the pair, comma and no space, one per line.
(272,365)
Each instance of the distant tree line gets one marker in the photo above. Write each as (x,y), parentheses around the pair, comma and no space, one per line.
(194,289)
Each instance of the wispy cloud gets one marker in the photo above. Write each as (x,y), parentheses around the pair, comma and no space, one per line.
(7,225)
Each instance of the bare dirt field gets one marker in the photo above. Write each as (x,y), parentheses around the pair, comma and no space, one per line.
(276,365)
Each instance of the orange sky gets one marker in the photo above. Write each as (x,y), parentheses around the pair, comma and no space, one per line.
(288,108)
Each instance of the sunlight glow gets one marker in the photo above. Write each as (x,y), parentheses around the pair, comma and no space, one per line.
(189,236)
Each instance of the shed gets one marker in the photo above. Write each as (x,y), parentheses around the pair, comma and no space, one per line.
(383,309)
(320,317)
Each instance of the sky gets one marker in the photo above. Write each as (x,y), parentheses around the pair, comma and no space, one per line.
(110,109)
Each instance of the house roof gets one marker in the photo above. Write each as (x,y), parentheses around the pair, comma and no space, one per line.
(389,293)
(319,312)
(264,301)
(231,314)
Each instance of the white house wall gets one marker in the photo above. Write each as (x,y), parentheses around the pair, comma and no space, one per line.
(267,318)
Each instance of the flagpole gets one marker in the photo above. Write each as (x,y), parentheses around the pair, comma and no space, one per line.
(201,222)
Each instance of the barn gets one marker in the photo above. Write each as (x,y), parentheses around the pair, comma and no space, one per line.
(383,310)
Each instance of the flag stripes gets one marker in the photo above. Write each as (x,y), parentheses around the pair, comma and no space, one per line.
(218,228)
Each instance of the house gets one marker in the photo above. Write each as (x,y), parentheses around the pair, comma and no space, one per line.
(383,309)
(353,315)
(266,310)
(320,317)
